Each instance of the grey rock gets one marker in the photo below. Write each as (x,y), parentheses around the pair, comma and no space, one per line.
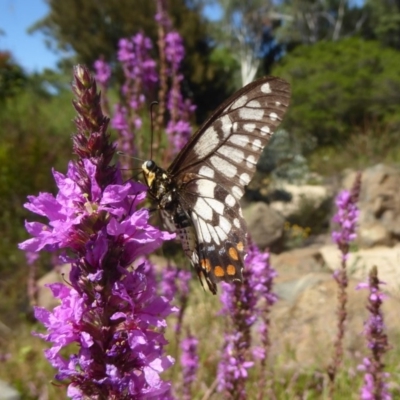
(7,392)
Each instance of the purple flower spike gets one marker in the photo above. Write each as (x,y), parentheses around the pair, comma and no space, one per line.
(346,217)
(175,52)
(241,303)
(375,379)
(111,310)
(190,364)
(178,128)
(102,72)
(140,79)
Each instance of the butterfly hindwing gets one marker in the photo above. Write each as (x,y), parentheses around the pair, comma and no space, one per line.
(220,229)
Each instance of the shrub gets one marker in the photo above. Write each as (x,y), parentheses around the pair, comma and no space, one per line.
(337,86)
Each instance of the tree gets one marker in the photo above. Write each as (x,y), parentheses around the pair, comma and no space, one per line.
(247,29)
(383,22)
(12,77)
(309,21)
(337,86)
(85,30)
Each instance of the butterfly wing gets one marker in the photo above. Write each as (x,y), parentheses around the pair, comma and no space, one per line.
(217,163)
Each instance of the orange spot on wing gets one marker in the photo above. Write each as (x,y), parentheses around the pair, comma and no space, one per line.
(218,271)
(205,264)
(240,246)
(231,270)
(233,254)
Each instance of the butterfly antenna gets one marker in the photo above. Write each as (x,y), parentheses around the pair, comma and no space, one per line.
(152,105)
(121,153)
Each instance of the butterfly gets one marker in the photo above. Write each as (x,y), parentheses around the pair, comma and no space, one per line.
(198,195)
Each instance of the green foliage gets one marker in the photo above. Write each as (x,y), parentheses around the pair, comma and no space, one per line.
(26,369)
(36,128)
(383,22)
(92,28)
(371,144)
(85,31)
(337,86)
(12,77)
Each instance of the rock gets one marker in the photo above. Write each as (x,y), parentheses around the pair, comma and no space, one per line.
(305,326)
(265,225)
(379,203)
(373,234)
(296,263)
(300,196)
(45,296)
(7,392)
(303,321)
(387,260)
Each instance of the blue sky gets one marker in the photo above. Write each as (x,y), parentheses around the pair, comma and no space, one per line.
(30,51)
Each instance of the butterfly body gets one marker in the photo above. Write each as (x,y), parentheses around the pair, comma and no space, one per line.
(198,195)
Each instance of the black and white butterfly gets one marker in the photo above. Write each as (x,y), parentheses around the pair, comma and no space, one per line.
(200,192)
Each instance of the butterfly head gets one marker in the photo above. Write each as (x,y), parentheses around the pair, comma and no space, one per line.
(158,182)
(149,168)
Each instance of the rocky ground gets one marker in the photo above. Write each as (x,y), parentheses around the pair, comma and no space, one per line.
(303,320)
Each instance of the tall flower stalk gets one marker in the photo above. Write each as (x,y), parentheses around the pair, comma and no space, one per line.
(241,303)
(110,309)
(346,217)
(375,378)
(190,364)
(175,286)
(178,128)
(102,76)
(264,276)
(140,80)
(143,78)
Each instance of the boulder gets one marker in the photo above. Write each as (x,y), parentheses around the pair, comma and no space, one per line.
(45,296)
(265,225)
(7,392)
(386,259)
(303,329)
(303,321)
(299,196)
(379,203)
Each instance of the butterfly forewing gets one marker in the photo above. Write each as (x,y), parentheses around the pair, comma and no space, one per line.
(215,166)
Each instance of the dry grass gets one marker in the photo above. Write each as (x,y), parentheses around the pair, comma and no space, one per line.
(25,368)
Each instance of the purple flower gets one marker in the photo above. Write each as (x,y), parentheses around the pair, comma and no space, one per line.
(175,282)
(346,217)
(174,52)
(179,133)
(375,379)
(175,286)
(140,78)
(134,56)
(190,364)
(180,109)
(241,302)
(111,310)
(161,16)
(102,72)
(31,257)
(127,358)
(70,213)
